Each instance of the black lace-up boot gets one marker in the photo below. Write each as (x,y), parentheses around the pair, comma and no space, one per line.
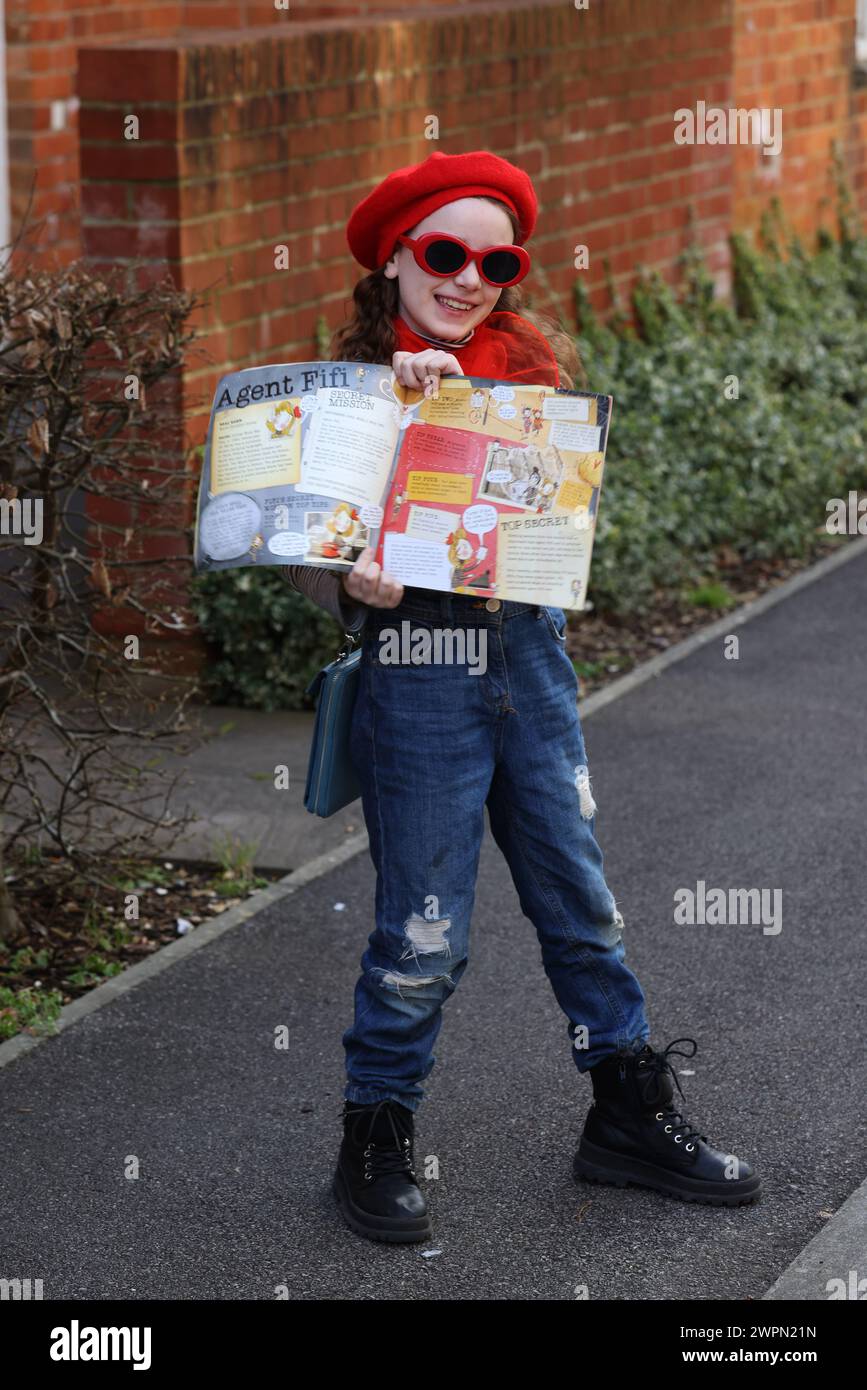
(634,1134)
(375,1183)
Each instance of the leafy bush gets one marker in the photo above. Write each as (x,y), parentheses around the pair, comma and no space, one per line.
(267,641)
(88,368)
(689,470)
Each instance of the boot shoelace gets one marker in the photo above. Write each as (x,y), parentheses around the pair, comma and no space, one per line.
(392,1158)
(378,1162)
(656,1066)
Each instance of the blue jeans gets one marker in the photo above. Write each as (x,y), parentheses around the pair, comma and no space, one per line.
(433,745)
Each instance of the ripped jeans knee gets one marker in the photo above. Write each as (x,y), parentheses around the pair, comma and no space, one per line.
(585,796)
(425,964)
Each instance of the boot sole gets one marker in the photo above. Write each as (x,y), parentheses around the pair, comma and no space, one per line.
(593,1164)
(379,1228)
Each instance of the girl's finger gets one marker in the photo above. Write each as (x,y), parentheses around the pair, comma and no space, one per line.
(359,569)
(370,583)
(430,373)
(431,365)
(352,580)
(417,368)
(430,381)
(390,591)
(412,369)
(397,363)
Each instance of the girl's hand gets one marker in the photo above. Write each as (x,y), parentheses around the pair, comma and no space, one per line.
(367,582)
(422,370)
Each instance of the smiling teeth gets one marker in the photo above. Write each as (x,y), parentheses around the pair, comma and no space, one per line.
(453,303)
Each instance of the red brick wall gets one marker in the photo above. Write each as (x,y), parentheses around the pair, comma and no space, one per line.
(607,79)
(273,140)
(798,57)
(42,37)
(41,41)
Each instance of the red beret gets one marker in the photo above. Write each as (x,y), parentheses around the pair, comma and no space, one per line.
(408,195)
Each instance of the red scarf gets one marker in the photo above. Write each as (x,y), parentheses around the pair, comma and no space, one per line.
(504,346)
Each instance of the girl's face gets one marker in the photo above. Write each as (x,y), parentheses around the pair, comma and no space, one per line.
(422,296)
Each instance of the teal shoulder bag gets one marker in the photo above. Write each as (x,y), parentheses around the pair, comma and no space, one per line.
(332,781)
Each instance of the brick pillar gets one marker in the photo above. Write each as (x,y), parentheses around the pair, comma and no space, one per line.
(130,212)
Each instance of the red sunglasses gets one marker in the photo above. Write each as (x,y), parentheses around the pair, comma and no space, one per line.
(444,255)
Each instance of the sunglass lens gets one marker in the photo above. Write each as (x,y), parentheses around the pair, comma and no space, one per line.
(445,257)
(501,266)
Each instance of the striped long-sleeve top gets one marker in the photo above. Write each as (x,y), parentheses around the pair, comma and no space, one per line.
(324,587)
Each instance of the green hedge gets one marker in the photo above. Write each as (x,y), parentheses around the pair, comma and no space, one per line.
(266,641)
(688,471)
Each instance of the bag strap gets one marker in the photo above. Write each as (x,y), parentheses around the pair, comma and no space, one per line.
(352,638)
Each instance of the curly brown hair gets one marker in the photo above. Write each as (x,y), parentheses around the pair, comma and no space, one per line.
(369,335)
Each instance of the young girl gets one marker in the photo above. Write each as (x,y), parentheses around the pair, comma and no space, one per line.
(435,743)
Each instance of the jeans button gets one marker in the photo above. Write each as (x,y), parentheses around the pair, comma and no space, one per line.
(493,605)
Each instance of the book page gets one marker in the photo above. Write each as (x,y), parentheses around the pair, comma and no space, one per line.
(543,560)
(256,447)
(350,448)
(260,499)
(479,454)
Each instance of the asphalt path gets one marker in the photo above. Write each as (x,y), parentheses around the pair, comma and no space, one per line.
(740,773)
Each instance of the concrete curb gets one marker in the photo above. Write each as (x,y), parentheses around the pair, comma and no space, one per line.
(184,946)
(839,1252)
(721,628)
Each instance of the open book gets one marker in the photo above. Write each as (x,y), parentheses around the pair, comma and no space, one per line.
(490,489)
